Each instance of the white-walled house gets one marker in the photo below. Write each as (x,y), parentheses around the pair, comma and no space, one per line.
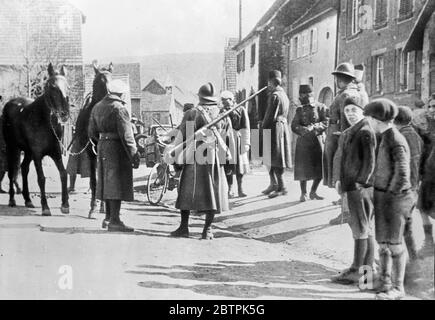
(312,51)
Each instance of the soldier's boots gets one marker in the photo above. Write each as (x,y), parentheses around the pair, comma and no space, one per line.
(397,292)
(240,187)
(119,226)
(115,224)
(352,275)
(303,198)
(315,196)
(183,230)
(270,189)
(277,193)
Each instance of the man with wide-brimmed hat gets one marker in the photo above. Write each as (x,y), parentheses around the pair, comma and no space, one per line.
(345,81)
(309,123)
(110,125)
(275,120)
(203,187)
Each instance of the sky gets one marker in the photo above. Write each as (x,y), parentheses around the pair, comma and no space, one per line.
(117,28)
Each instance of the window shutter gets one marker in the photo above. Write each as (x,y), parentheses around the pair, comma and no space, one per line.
(369,75)
(314,44)
(405,8)
(299,49)
(411,67)
(349,18)
(399,75)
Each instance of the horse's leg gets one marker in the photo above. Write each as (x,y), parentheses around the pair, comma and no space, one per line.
(93,184)
(25,173)
(13,157)
(64,180)
(41,182)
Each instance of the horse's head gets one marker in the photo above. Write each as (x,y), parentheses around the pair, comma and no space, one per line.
(56,92)
(102,77)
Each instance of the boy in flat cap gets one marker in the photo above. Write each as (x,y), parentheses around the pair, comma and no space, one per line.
(415,143)
(309,123)
(354,164)
(393,197)
(276,120)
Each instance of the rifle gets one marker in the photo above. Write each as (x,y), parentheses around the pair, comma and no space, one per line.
(160,125)
(182,145)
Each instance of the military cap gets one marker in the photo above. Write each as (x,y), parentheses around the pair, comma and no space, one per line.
(117,86)
(346,69)
(275,74)
(206,94)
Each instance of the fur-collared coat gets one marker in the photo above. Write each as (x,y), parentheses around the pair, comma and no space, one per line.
(203,186)
(110,121)
(275,120)
(355,159)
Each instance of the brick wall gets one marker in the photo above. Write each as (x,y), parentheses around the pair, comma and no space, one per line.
(386,40)
(230,67)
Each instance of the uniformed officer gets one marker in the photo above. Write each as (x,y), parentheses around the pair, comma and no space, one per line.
(309,123)
(117,153)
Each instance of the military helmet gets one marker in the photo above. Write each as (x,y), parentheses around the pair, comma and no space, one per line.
(346,69)
(206,94)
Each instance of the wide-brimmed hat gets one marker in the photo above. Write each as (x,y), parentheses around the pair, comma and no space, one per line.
(305,89)
(353,101)
(206,94)
(117,87)
(382,110)
(346,69)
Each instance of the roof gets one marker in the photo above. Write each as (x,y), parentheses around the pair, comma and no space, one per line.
(269,15)
(153,102)
(181,95)
(55,31)
(415,39)
(119,71)
(316,11)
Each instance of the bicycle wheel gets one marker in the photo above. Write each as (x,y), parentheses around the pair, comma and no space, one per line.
(157,183)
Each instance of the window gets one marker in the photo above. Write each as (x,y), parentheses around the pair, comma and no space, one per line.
(379,73)
(381,13)
(241,61)
(293,48)
(156,116)
(354,17)
(299,47)
(305,44)
(404,70)
(406,8)
(311,82)
(313,40)
(253,54)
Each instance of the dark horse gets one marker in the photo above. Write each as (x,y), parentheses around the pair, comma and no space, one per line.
(35,128)
(99,91)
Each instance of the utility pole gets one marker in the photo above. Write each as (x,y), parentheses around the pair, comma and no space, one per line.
(240,20)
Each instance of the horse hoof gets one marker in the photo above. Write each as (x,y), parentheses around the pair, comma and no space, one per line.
(64,210)
(12,204)
(46,213)
(29,205)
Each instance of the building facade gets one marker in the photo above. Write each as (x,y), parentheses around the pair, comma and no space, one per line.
(312,50)
(229,75)
(374,33)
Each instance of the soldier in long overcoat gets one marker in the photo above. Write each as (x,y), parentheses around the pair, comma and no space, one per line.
(275,120)
(237,132)
(309,123)
(117,153)
(203,187)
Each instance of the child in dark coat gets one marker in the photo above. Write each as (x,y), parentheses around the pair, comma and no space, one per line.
(393,197)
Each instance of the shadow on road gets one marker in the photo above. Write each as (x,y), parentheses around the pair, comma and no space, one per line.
(284,279)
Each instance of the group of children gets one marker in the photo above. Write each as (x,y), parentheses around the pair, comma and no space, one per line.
(378,165)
